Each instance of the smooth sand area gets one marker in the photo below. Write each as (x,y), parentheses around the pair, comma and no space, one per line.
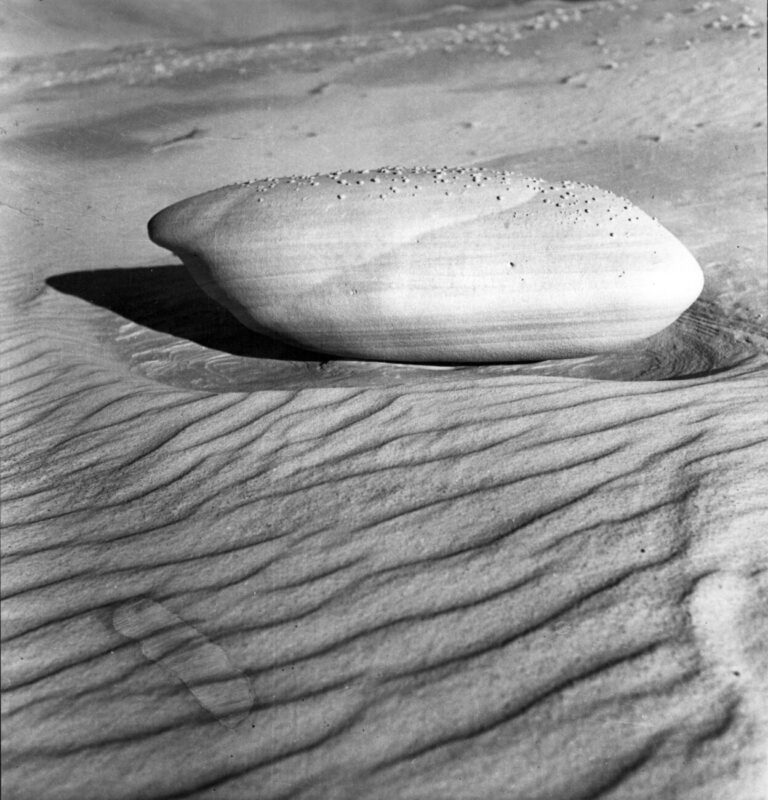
(232,569)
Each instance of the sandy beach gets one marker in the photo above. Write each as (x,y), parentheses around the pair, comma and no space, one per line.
(237,569)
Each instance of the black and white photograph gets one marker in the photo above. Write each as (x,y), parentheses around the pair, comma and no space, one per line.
(384,400)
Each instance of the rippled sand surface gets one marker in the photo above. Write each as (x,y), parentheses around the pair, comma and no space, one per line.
(234,569)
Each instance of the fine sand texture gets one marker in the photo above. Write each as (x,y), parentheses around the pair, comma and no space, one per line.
(237,569)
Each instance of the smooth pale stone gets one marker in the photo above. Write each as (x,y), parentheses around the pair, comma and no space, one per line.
(433,264)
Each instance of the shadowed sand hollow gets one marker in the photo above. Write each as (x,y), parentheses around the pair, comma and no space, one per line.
(163,326)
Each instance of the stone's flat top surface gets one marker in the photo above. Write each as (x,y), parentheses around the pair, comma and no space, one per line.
(234,568)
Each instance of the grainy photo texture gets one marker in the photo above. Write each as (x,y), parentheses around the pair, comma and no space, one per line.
(383,401)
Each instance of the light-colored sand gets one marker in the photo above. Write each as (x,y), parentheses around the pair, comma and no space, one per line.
(511,581)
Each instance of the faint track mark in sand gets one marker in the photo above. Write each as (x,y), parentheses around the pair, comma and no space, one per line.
(194,133)
(727,608)
(723,606)
(181,649)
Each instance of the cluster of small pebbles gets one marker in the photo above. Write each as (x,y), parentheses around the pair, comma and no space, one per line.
(575,200)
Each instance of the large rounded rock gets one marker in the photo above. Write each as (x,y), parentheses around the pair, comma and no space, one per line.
(433,264)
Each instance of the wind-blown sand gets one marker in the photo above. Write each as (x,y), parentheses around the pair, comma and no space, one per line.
(236,569)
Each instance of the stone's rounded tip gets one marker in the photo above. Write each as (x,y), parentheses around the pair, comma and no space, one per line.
(159,228)
(170,227)
(175,226)
(412,264)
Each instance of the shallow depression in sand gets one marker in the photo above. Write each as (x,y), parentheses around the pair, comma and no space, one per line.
(158,323)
